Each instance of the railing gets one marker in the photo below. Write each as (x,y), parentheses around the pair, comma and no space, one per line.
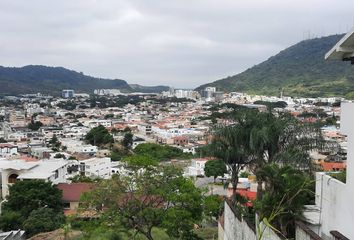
(338,236)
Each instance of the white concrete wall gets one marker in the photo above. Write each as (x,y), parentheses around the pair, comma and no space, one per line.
(220,232)
(234,229)
(269,234)
(336,205)
(301,234)
(334,198)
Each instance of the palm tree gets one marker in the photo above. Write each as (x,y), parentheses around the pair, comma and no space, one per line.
(230,144)
(281,139)
(288,191)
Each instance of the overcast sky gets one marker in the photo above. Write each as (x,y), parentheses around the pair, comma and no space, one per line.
(180,43)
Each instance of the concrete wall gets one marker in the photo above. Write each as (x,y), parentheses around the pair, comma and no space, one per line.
(234,228)
(220,232)
(303,232)
(334,198)
(268,234)
(336,205)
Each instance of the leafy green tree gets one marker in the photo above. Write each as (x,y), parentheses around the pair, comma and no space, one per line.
(60,155)
(288,191)
(42,220)
(140,161)
(34,125)
(127,140)
(160,152)
(155,197)
(10,220)
(213,206)
(54,143)
(2,140)
(215,168)
(110,115)
(281,139)
(26,196)
(83,179)
(99,136)
(230,145)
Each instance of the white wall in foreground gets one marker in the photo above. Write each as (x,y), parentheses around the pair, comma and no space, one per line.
(334,198)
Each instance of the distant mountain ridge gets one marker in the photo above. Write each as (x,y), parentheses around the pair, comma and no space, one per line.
(299,70)
(51,80)
(149,89)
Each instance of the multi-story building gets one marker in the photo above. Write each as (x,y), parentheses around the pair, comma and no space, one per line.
(68,93)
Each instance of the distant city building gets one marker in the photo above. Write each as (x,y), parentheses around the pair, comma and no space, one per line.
(219,96)
(208,92)
(68,93)
(108,92)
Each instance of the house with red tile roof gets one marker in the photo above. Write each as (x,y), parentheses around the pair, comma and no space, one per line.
(72,193)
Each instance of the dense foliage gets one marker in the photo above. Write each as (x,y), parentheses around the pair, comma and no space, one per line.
(33,79)
(42,220)
(25,201)
(287,192)
(34,125)
(99,136)
(150,197)
(215,168)
(160,152)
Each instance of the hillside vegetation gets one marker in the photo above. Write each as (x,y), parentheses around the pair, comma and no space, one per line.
(299,70)
(51,80)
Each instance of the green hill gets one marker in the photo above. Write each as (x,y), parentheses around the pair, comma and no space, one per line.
(51,80)
(300,70)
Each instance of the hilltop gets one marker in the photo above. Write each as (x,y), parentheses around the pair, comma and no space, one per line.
(51,80)
(299,70)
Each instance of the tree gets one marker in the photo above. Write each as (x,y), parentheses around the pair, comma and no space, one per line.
(230,145)
(150,197)
(26,196)
(2,140)
(83,179)
(127,140)
(42,220)
(54,143)
(34,125)
(281,139)
(215,168)
(99,136)
(213,206)
(287,193)
(160,152)
(60,155)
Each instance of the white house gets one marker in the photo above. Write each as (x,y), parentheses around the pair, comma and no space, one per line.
(14,170)
(96,167)
(7,149)
(197,167)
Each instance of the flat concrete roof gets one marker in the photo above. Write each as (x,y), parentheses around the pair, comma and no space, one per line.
(344,49)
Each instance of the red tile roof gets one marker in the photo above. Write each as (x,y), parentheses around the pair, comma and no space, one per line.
(72,192)
(332,166)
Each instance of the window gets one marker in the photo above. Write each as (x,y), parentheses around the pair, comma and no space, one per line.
(13,178)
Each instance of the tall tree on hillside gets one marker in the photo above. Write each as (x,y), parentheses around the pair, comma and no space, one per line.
(128,140)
